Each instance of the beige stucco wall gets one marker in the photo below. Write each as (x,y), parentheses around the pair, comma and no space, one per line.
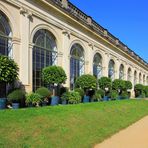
(29,17)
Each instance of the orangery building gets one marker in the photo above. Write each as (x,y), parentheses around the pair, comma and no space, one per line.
(39,33)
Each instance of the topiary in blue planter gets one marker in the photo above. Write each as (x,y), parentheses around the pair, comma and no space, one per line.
(2,103)
(86,99)
(105,98)
(15,105)
(54,100)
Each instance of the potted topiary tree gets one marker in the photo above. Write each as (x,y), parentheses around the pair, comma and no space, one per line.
(113,95)
(45,93)
(138,90)
(54,75)
(146,91)
(86,82)
(128,87)
(119,86)
(105,83)
(80,91)
(15,98)
(8,74)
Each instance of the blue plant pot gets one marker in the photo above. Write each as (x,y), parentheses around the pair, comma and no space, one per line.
(119,97)
(15,105)
(86,99)
(2,103)
(54,100)
(105,98)
(44,103)
(64,102)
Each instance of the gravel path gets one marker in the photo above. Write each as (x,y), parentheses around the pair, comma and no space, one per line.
(135,136)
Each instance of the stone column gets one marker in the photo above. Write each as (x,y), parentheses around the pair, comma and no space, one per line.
(105,64)
(64,58)
(24,46)
(117,66)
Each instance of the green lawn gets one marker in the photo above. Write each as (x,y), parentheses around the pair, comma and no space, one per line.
(72,126)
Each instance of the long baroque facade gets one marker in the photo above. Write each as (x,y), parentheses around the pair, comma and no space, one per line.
(38,33)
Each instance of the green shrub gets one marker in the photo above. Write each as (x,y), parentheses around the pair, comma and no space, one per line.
(33,98)
(105,83)
(138,90)
(146,91)
(101,92)
(54,75)
(72,97)
(43,92)
(113,95)
(124,95)
(86,82)
(80,91)
(118,85)
(16,95)
(8,70)
(128,85)
(97,96)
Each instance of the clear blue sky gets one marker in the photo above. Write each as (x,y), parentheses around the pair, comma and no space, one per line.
(126,19)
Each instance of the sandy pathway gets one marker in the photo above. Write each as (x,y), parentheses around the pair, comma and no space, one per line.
(135,136)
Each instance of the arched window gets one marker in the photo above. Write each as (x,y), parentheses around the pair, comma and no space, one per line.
(129,74)
(97,65)
(76,63)
(5,44)
(140,78)
(135,77)
(44,54)
(121,72)
(143,79)
(5,35)
(111,69)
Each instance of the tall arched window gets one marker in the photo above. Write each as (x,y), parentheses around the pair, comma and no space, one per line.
(111,69)
(44,54)
(140,78)
(5,44)
(129,74)
(135,77)
(121,72)
(5,35)
(143,79)
(97,65)
(76,63)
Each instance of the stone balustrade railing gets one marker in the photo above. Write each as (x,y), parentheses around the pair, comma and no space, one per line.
(76,12)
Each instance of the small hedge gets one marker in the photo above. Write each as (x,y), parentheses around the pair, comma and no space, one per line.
(44,92)
(113,95)
(118,85)
(16,95)
(72,97)
(80,91)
